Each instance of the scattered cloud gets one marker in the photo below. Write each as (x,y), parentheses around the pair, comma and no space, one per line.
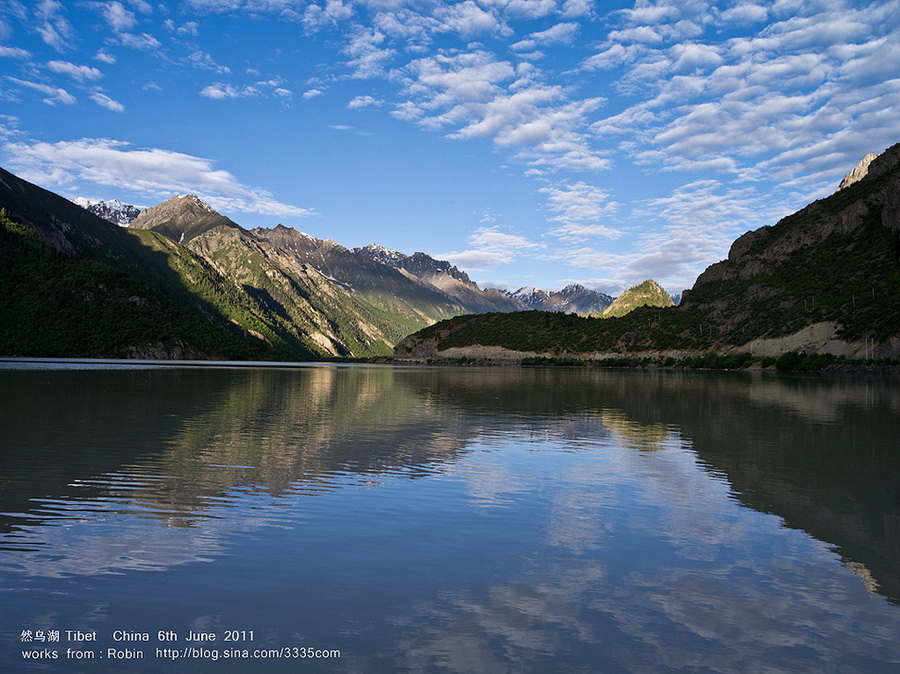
(53,27)
(55,95)
(478,96)
(205,61)
(188,29)
(468,19)
(367,58)
(364,102)
(491,246)
(14,52)
(312,93)
(151,172)
(105,101)
(560,33)
(119,18)
(747,103)
(580,210)
(76,72)
(142,42)
(263,88)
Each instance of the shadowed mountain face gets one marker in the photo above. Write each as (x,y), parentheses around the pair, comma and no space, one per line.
(822,281)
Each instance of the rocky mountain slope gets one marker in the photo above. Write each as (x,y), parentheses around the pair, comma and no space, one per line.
(822,281)
(113,211)
(181,218)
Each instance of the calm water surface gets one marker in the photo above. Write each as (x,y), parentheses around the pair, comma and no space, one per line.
(380,519)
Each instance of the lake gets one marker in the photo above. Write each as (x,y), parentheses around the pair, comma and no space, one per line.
(327,518)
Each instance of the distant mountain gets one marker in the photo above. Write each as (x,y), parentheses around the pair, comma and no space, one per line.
(646,294)
(112,211)
(445,277)
(821,281)
(573,298)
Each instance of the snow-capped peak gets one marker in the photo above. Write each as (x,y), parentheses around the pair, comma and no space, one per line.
(113,211)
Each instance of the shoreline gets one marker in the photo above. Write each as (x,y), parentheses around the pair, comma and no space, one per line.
(709,363)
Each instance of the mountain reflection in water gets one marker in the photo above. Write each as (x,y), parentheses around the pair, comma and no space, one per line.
(464,519)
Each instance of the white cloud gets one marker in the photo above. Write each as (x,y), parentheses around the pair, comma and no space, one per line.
(14,52)
(367,58)
(468,19)
(54,94)
(742,105)
(105,57)
(142,42)
(580,208)
(491,246)
(220,91)
(560,33)
(476,260)
(312,93)
(118,17)
(54,29)
(478,96)
(80,73)
(364,102)
(105,101)
(205,61)
(744,13)
(263,88)
(188,29)
(151,172)
(318,16)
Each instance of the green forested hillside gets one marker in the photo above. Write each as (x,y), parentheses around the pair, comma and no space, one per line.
(58,305)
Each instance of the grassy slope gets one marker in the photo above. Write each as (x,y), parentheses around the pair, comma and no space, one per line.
(647,294)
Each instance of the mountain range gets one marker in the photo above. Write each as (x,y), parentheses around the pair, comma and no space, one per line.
(94,289)
(821,281)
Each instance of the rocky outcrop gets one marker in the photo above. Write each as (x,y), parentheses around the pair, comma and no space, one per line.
(860,171)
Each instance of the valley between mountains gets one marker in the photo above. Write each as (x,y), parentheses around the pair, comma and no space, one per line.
(181,281)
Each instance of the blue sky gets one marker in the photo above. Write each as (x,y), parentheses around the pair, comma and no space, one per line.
(529,142)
